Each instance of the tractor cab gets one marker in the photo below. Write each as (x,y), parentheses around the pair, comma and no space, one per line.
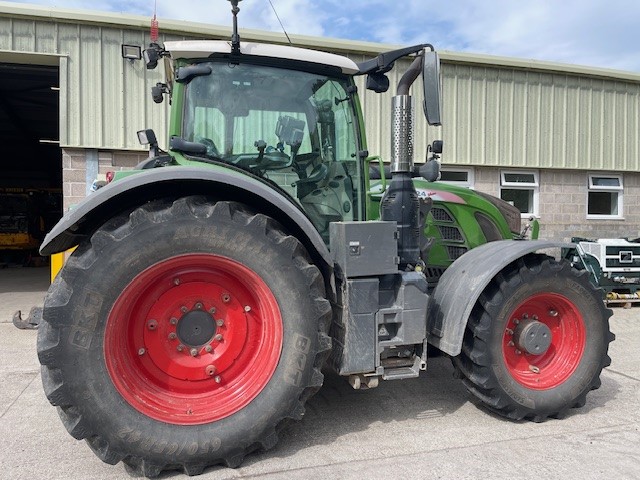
(294,123)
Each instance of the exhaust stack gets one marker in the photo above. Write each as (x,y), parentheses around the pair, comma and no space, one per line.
(402,120)
(400,202)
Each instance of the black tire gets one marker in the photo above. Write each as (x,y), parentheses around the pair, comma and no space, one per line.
(71,339)
(502,374)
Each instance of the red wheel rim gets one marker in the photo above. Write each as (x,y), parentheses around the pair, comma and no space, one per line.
(561,358)
(193,339)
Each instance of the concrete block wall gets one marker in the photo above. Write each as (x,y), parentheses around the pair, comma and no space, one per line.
(563,204)
(79,170)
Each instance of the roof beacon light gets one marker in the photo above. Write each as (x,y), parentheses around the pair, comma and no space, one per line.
(154,25)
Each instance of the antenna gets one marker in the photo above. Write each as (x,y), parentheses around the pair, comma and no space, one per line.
(154,24)
(235,37)
(278,17)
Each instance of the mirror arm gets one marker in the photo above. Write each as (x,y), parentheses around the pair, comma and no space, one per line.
(384,62)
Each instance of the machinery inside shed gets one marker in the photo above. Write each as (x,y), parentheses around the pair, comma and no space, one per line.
(31,161)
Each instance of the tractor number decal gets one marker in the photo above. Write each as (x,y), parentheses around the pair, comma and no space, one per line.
(440,196)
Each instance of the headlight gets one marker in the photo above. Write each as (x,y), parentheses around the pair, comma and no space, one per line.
(510,213)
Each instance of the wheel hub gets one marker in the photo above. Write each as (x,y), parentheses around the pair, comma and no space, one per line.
(532,336)
(196,328)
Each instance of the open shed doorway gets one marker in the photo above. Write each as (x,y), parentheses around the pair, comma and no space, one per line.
(31,170)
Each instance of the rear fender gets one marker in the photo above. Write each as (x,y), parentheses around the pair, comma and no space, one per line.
(462,283)
(173,182)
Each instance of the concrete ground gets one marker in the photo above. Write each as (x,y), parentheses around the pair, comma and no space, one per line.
(21,289)
(426,428)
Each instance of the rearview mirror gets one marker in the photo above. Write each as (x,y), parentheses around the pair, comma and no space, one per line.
(431,85)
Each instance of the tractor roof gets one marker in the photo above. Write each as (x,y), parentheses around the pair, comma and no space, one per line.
(204,48)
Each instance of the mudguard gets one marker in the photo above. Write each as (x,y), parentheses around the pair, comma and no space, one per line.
(173,182)
(462,283)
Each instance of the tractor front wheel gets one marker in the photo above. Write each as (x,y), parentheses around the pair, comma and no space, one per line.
(536,341)
(183,335)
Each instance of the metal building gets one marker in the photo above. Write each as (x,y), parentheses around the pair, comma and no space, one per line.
(559,141)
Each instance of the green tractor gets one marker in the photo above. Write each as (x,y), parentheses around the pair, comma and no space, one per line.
(211,285)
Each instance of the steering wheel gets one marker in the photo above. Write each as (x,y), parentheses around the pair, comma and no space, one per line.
(274,159)
(212,150)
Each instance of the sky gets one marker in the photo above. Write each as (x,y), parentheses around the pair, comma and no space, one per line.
(597,33)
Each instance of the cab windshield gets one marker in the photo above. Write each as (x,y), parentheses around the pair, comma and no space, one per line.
(296,129)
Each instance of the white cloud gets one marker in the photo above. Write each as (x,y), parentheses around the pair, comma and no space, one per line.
(599,33)
(298,16)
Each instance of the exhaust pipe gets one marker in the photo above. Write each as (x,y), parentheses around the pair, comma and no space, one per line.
(400,202)
(402,120)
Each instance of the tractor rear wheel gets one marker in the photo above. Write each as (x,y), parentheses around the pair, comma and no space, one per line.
(536,341)
(184,335)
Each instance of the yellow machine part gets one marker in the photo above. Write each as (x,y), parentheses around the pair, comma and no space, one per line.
(57,261)
(622,296)
(17,241)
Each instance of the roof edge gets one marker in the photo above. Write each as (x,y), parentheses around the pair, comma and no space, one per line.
(180,27)
(538,65)
(114,19)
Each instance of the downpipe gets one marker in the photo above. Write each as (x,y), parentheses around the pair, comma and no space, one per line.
(400,202)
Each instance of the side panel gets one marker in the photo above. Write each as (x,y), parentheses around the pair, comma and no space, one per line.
(175,182)
(462,283)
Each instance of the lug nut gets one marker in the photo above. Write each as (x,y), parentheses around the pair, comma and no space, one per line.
(247,308)
(553,313)
(220,322)
(226,298)
(218,337)
(180,347)
(534,369)
(208,349)
(198,306)
(217,379)
(176,281)
(193,352)
(212,310)
(518,352)
(172,336)
(152,324)
(511,344)
(183,309)
(173,321)
(210,369)
(141,351)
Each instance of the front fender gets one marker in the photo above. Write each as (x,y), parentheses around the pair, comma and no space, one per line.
(173,182)
(462,283)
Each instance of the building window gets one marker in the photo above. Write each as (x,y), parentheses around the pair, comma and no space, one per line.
(520,188)
(604,199)
(463,177)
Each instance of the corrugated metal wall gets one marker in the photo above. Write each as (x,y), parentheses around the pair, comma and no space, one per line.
(511,117)
(493,115)
(104,99)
